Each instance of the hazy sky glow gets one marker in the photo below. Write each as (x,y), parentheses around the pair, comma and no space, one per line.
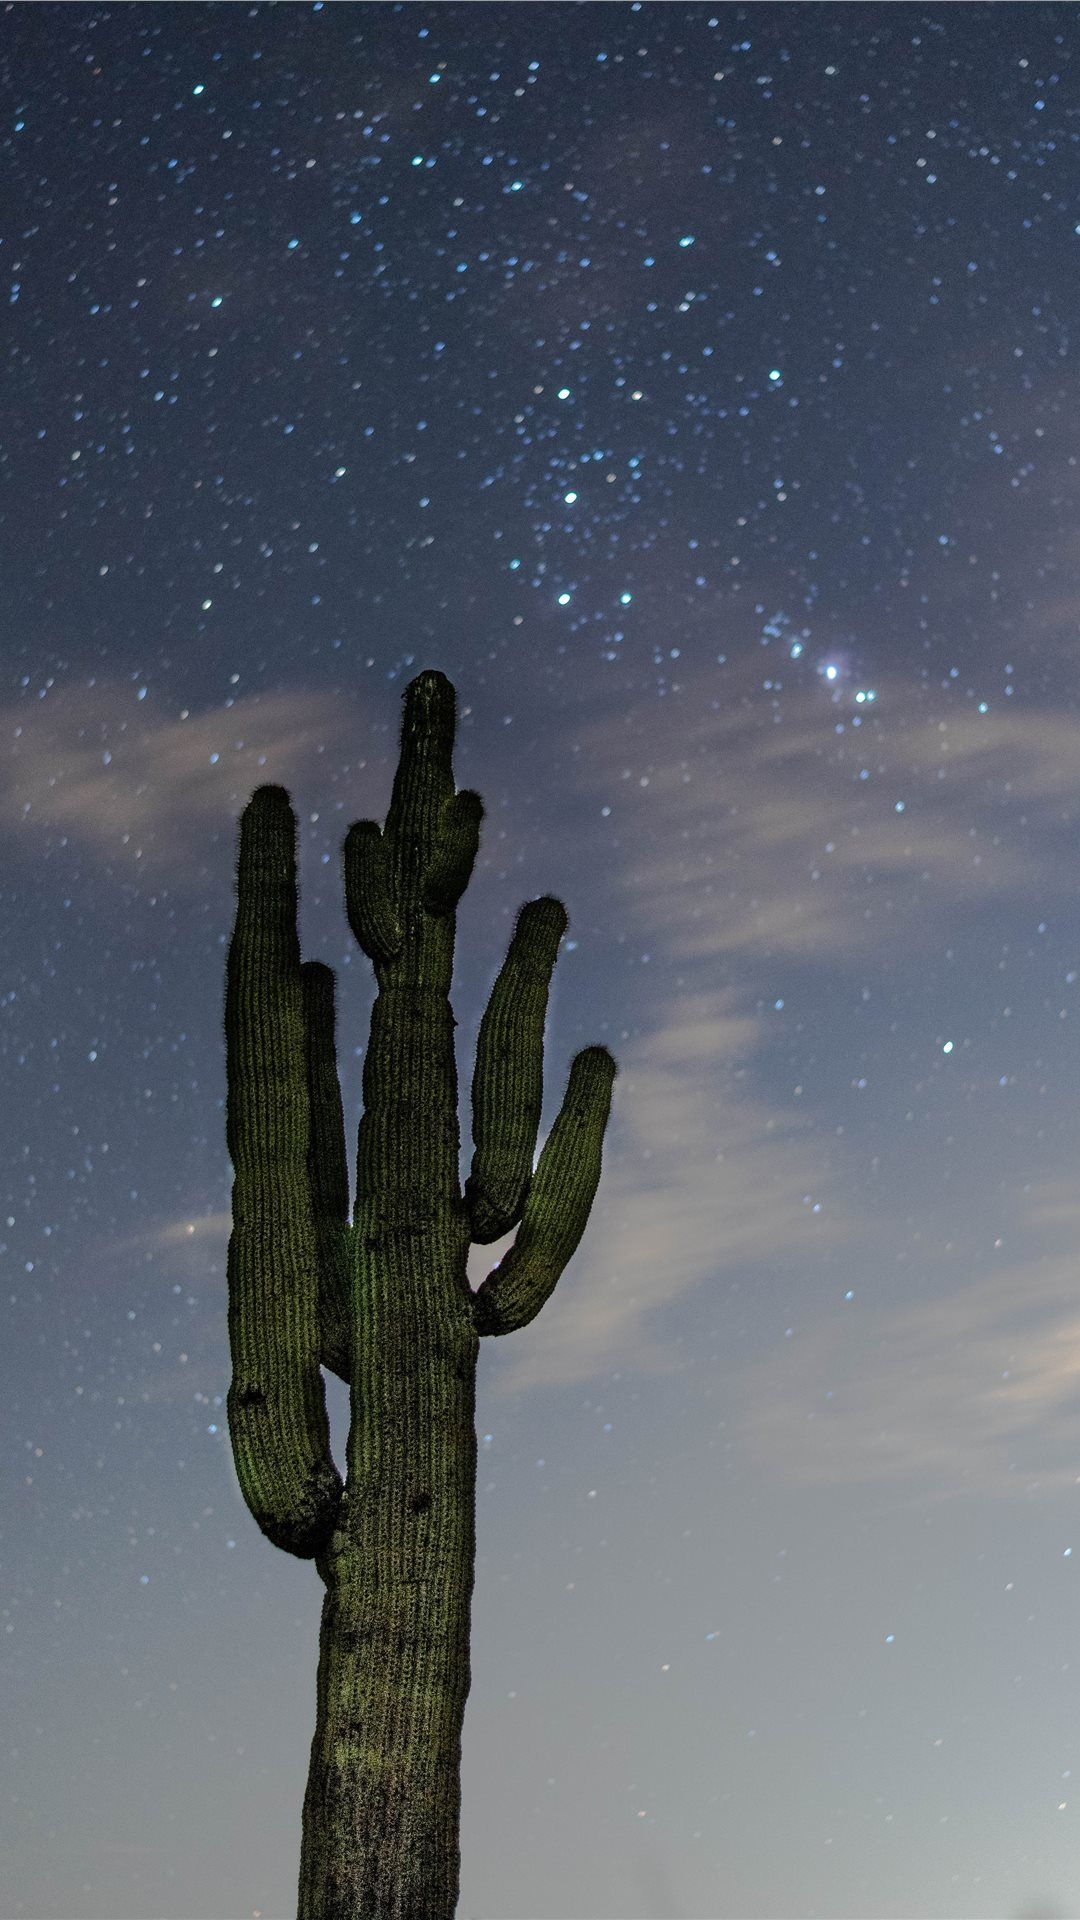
(695,386)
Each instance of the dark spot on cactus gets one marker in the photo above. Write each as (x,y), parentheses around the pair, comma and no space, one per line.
(251,1397)
(420,1503)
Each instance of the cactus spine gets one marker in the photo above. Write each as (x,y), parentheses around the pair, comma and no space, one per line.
(384,1302)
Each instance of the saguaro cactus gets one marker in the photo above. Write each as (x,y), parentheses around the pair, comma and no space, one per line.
(385,1302)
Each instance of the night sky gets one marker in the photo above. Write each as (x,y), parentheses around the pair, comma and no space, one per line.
(695,386)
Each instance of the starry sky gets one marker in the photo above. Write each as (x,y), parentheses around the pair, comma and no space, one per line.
(694,386)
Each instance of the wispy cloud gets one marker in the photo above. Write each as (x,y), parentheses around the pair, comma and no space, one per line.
(743,837)
(738,842)
(973,1390)
(699,1179)
(148,791)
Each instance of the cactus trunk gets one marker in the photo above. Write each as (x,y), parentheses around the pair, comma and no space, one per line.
(384,1300)
(381,1814)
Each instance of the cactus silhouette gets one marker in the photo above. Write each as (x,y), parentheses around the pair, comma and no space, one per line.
(385,1302)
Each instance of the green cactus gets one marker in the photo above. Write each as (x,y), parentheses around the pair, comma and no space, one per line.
(385,1302)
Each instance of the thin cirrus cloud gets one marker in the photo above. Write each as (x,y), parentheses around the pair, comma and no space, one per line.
(744,838)
(146,792)
(745,851)
(741,851)
(973,1390)
(700,1180)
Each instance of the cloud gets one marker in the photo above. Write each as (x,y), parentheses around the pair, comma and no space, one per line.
(739,841)
(735,835)
(149,792)
(699,1180)
(743,837)
(973,1391)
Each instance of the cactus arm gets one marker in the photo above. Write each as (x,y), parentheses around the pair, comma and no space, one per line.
(558,1202)
(507,1085)
(451,866)
(276,1402)
(369,901)
(327,1167)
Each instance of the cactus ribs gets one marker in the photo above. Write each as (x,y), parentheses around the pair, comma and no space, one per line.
(384,1301)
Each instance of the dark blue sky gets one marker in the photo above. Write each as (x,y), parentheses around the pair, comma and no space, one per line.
(696,387)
